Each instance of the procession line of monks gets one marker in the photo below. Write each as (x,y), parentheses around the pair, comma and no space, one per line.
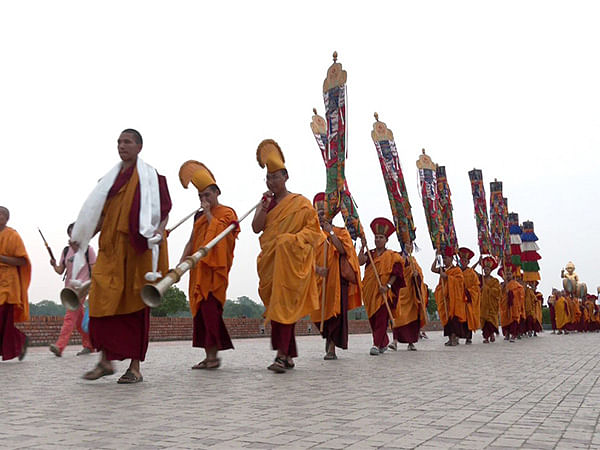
(306,266)
(571,314)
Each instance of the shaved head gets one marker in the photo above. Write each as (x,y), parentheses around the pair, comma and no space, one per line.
(5,211)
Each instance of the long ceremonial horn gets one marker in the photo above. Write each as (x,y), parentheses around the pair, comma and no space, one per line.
(70,297)
(152,293)
(46,244)
(169,230)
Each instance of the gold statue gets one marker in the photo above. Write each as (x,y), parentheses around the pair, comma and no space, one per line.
(571,282)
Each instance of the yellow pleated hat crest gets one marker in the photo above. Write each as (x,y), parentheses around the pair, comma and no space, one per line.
(269,154)
(197,173)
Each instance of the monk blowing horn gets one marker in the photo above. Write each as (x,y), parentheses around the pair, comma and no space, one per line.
(152,293)
(71,296)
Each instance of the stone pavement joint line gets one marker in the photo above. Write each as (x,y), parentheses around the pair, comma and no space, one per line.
(539,392)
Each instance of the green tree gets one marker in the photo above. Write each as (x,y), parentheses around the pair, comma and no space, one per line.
(46,308)
(243,307)
(432,305)
(174,303)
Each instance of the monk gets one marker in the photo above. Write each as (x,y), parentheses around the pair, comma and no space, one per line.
(551,306)
(450,298)
(491,293)
(387,265)
(410,311)
(520,304)
(530,301)
(134,209)
(210,277)
(561,308)
(286,264)
(537,315)
(472,292)
(340,286)
(510,311)
(15,276)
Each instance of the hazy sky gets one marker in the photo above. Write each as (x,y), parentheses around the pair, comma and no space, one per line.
(512,88)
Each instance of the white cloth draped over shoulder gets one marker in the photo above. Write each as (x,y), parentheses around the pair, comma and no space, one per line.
(89,215)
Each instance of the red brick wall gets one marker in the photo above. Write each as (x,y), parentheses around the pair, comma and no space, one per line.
(44,330)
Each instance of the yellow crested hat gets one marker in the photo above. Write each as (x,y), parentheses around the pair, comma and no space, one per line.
(197,173)
(269,154)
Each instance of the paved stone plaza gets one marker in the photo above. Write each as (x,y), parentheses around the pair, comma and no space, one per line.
(536,393)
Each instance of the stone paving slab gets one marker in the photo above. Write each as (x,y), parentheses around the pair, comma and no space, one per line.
(537,393)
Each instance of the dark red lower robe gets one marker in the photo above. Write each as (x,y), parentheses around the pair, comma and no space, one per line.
(488,330)
(379,323)
(283,338)
(335,329)
(12,340)
(123,336)
(209,327)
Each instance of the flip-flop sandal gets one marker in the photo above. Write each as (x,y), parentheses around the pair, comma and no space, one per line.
(288,364)
(393,346)
(278,366)
(200,365)
(97,372)
(130,378)
(330,357)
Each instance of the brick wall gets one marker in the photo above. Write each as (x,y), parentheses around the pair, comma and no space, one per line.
(44,330)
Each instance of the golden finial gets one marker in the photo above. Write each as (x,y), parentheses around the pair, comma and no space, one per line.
(315,111)
(376,117)
(334,56)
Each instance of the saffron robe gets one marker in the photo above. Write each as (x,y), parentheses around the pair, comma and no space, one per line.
(450,296)
(472,298)
(14,280)
(384,264)
(118,275)
(211,274)
(408,307)
(286,264)
(333,283)
(510,311)
(561,311)
(491,293)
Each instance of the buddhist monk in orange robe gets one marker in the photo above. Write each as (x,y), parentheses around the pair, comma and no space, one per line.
(286,264)
(410,309)
(551,306)
(561,308)
(119,319)
(340,286)
(491,293)
(386,265)
(210,277)
(472,292)
(15,275)
(538,316)
(530,301)
(510,311)
(574,313)
(450,298)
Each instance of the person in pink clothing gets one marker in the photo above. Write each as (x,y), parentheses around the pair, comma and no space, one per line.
(73,319)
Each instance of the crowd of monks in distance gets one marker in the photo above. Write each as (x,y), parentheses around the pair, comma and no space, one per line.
(306,267)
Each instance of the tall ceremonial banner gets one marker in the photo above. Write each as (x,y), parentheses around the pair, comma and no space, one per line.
(496,220)
(506,230)
(430,198)
(529,254)
(394,182)
(481,215)
(446,219)
(515,242)
(330,134)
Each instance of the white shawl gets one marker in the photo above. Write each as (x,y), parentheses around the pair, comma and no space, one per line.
(89,216)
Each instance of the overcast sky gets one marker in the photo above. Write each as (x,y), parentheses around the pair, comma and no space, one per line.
(512,88)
